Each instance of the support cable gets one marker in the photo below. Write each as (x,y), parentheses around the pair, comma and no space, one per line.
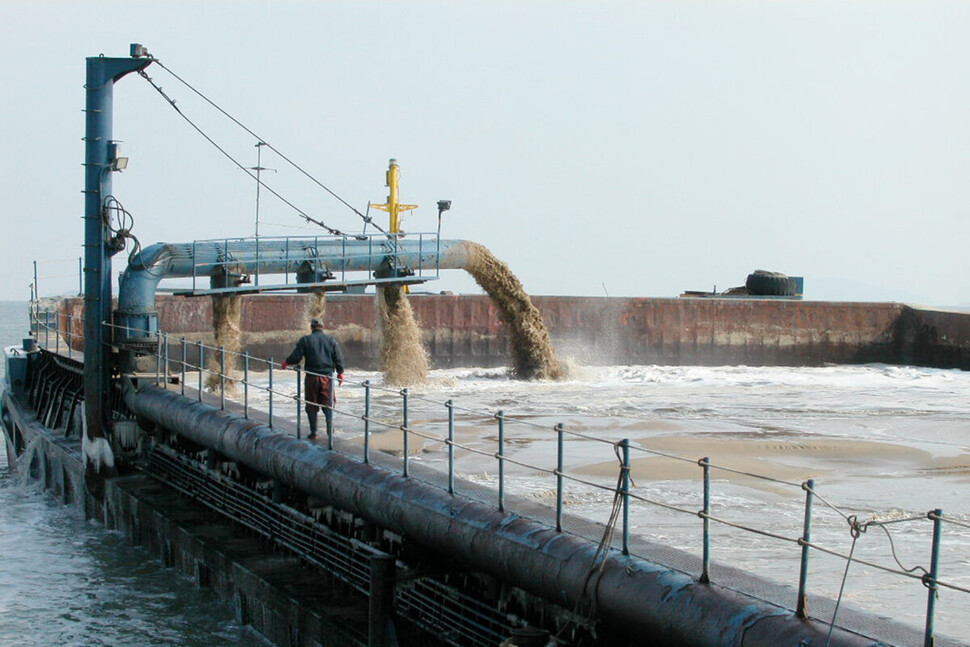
(365,218)
(171,102)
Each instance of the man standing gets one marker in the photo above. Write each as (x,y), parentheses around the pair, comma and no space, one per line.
(322,358)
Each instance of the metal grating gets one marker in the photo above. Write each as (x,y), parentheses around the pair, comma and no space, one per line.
(453,616)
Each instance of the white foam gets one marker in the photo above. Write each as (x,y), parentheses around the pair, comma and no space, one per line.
(97,451)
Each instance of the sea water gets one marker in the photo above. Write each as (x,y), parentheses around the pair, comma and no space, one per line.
(884,443)
(69,582)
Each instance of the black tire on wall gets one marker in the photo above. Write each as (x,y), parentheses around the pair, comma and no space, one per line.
(766,283)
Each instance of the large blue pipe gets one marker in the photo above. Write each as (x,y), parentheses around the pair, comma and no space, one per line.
(136,315)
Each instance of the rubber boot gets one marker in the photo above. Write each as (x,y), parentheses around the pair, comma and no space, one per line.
(311,417)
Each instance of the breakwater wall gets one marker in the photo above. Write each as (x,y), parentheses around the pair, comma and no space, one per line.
(466,330)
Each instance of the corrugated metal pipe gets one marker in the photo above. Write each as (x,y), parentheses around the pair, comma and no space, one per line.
(637,597)
(215,259)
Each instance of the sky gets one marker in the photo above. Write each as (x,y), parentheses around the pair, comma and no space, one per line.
(599,148)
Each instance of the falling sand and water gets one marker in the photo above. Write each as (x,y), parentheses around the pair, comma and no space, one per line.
(226,327)
(404,359)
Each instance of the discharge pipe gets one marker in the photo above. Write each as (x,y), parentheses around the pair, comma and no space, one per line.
(311,259)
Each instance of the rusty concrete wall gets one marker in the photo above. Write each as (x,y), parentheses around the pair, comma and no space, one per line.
(464,330)
(927,337)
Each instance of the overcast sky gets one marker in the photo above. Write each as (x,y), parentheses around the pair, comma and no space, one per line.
(629,148)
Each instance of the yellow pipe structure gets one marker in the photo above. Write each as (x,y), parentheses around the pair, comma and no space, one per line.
(393,206)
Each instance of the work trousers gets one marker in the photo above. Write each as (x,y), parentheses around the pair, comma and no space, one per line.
(319,394)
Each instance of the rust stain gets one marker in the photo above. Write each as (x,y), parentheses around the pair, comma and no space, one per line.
(466,330)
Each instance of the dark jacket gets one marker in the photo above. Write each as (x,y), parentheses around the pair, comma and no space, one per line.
(321,354)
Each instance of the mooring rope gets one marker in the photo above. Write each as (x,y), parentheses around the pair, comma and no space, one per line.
(855,529)
(874,520)
(598,563)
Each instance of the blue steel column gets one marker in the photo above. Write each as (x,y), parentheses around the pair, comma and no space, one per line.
(102,73)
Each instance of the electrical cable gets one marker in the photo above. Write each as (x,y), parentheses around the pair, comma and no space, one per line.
(126,222)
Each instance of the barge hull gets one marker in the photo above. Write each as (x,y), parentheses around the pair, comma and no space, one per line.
(465,330)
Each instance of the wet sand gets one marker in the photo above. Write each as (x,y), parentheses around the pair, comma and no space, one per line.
(793,462)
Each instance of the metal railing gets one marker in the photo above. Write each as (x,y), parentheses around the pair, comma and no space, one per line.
(381,410)
(422,600)
(295,250)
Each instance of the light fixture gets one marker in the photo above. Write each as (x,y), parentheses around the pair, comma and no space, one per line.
(443,205)
(115,161)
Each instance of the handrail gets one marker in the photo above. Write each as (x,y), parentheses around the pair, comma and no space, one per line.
(294,252)
(397,410)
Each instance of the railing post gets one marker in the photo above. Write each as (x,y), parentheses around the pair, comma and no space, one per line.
(246,384)
(332,394)
(70,335)
(501,460)
(706,565)
(404,427)
(366,420)
(343,257)
(299,396)
(801,610)
(560,436)
(201,367)
(57,332)
(222,377)
(223,268)
(451,446)
(165,362)
(625,444)
(158,356)
(931,578)
(184,356)
(270,392)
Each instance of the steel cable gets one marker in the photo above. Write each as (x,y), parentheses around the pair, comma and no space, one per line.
(229,156)
(296,166)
